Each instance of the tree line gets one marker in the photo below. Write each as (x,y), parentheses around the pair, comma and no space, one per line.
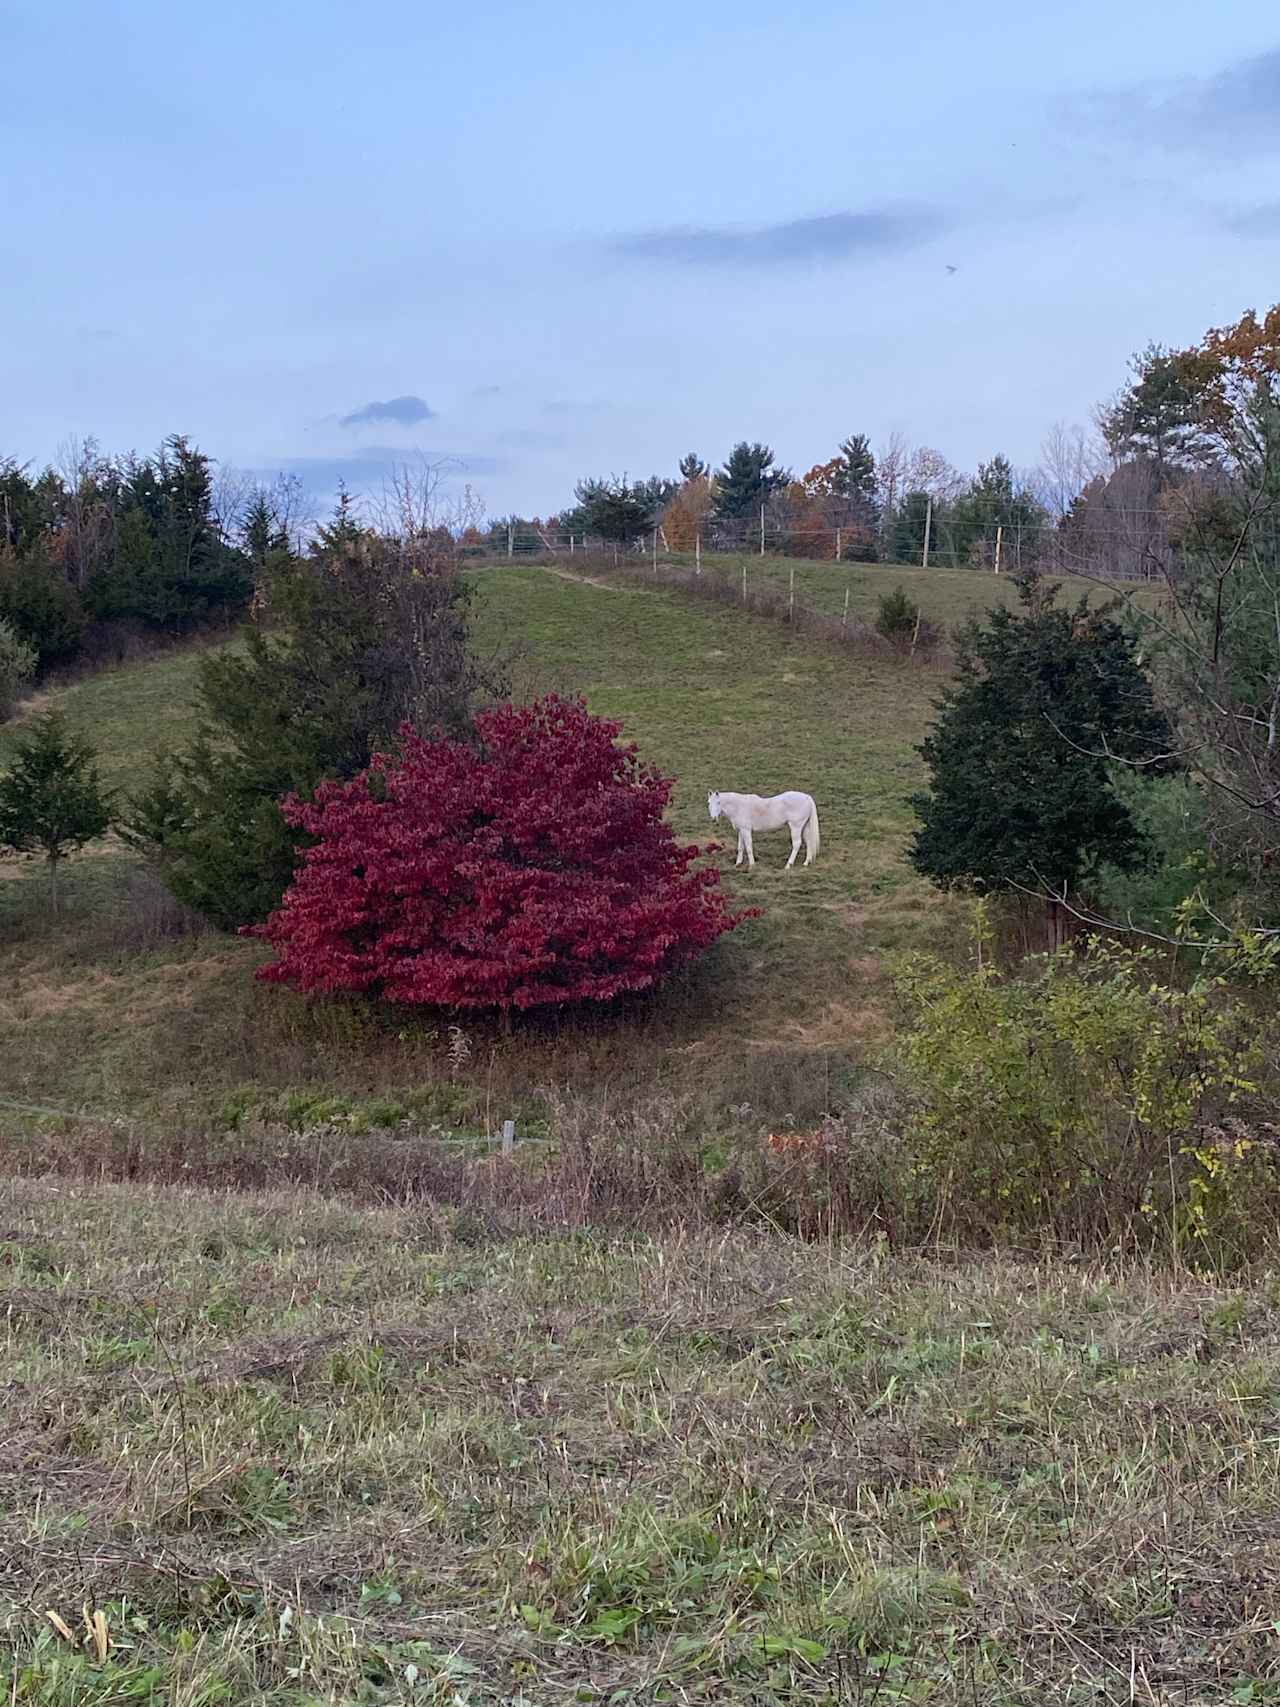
(106,549)
(858,506)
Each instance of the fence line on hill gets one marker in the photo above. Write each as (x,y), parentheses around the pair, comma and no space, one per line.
(845,630)
(1130,546)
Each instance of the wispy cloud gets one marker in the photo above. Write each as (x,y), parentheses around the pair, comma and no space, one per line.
(401,411)
(1232,111)
(368,472)
(1240,103)
(1260,221)
(829,238)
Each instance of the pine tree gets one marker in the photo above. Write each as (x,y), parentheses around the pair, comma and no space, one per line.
(993,499)
(747,480)
(1020,785)
(1159,414)
(692,467)
(615,510)
(913,517)
(51,799)
(171,568)
(264,538)
(856,475)
(370,634)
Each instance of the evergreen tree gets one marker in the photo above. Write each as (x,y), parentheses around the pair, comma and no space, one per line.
(1020,789)
(17,666)
(265,539)
(993,499)
(856,504)
(1159,415)
(372,634)
(747,480)
(44,610)
(692,467)
(615,510)
(171,569)
(51,799)
(856,471)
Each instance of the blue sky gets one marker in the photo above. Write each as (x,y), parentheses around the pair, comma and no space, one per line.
(557,239)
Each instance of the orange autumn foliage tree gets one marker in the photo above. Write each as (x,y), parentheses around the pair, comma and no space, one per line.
(687,514)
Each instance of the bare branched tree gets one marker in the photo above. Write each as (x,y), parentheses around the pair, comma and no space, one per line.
(927,470)
(233,491)
(89,522)
(1070,457)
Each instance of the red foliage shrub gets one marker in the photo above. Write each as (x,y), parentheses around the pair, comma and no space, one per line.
(535,868)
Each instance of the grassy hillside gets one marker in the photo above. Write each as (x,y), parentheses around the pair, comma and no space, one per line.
(946,596)
(300,1454)
(281,1448)
(121,1012)
(127,713)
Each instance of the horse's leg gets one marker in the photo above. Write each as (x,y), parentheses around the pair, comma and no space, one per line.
(746,842)
(795,844)
(738,861)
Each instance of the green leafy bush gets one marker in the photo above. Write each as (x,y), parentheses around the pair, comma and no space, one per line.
(1087,1098)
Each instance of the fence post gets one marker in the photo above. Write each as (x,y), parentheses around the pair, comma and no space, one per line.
(762,530)
(844,620)
(508,1137)
(791,597)
(511,540)
(837,545)
(697,554)
(744,583)
(655,551)
(999,544)
(928,525)
(571,545)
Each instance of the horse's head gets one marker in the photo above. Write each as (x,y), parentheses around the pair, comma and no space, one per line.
(713,804)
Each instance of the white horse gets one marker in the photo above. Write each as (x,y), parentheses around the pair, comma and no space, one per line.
(749,812)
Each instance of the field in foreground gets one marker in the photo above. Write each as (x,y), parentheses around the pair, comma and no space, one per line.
(295,1453)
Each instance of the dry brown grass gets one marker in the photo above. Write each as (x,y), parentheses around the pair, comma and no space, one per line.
(291,1449)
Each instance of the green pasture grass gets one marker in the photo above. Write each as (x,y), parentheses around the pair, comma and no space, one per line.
(118,1008)
(128,713)
(947,597)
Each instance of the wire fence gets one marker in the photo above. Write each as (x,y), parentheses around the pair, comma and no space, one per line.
(1129,545)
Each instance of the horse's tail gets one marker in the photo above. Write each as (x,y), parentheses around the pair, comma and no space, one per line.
(812,840)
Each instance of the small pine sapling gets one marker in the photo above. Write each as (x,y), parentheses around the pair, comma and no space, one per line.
(51,799)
